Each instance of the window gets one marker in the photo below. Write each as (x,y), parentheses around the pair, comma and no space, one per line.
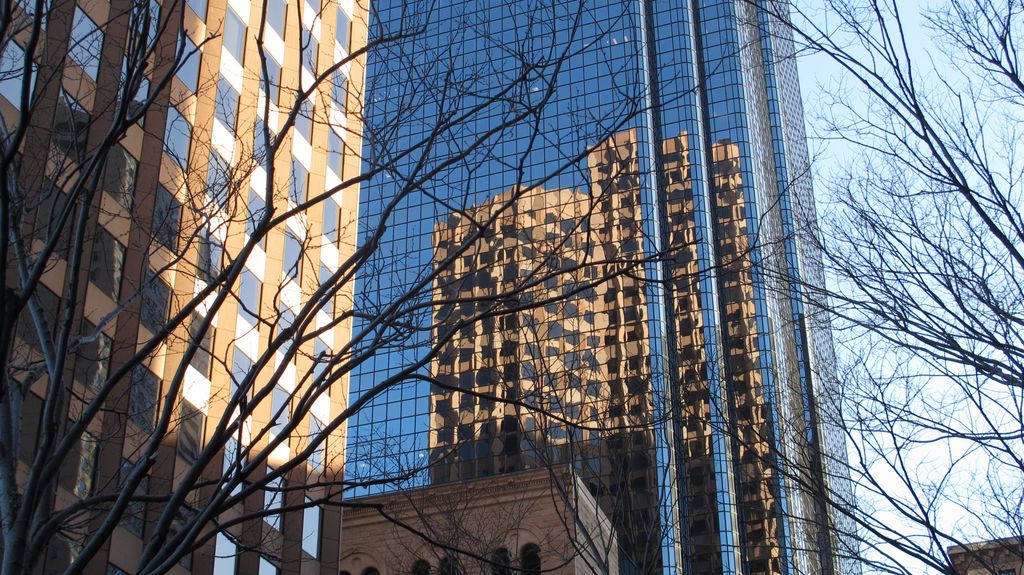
(339,89)
(177,137)
(300,179)
(145,18)
(334,153)
(271,83)
(226,109)
(304,119)
(107,264)
(266,567)
(234,35)
(94,351)
(199,7)
(136,89)
(279,410)
(325,277)
(256,209)
(273,499)
(260,136)
(166,218)
(142,401)
(134,518)
(188,70)
(330,226)
(88,450)
(119,176)
(210,254)
(502,562)
(86,44)
(218,180)
(292,255)
(285,319)
(310,48)
(447,566)
(319,455)
(321,360)
(341,30)
(70,126)
(202,359)
(241,365)
(420,567)
(311,529)
(155,296)
(12,72)
(529,557)
(249,293)
(190,432)
(225,559)
(276,13)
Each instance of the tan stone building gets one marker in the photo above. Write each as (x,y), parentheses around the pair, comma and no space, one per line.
(179,199)
(998,557)
(535,521)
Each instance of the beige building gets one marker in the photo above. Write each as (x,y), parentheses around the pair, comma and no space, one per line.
(179,199)
(998,557)
(531,522)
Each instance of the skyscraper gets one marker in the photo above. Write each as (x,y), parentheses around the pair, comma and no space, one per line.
(150,149)
(699,351)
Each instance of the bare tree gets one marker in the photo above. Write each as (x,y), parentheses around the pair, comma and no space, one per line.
(176,345)
(922,243)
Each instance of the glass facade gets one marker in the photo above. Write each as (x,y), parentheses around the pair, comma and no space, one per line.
(588,225)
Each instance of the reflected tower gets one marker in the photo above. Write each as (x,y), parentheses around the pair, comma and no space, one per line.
(616,249)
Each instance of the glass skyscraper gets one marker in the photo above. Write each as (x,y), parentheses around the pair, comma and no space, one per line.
(596,240)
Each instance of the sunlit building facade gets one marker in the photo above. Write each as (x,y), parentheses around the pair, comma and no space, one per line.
(614,251)
(177,198)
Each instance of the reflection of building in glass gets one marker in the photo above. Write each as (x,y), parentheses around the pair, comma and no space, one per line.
(562,339)
(730,371)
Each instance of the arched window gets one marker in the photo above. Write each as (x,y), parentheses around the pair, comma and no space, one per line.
(529,558)
(371,571)
(501,562)
(448,566)
(420,567)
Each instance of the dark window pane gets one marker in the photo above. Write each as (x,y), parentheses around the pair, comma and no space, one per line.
(119,176)
(188,71)
(156,294)
(93,363)
(107,263)
(330,226)
(143,398)
(202,360)
(292,255)
(334,153)
(300,179)
(177,137)
(310,49)
(218,180)
(304,119)
(70,127)
(249,291)
(166,218)
(210,254)
(190,432)
(227,104)
(278,402)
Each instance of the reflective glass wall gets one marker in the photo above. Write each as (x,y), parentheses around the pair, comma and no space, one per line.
(587,216)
